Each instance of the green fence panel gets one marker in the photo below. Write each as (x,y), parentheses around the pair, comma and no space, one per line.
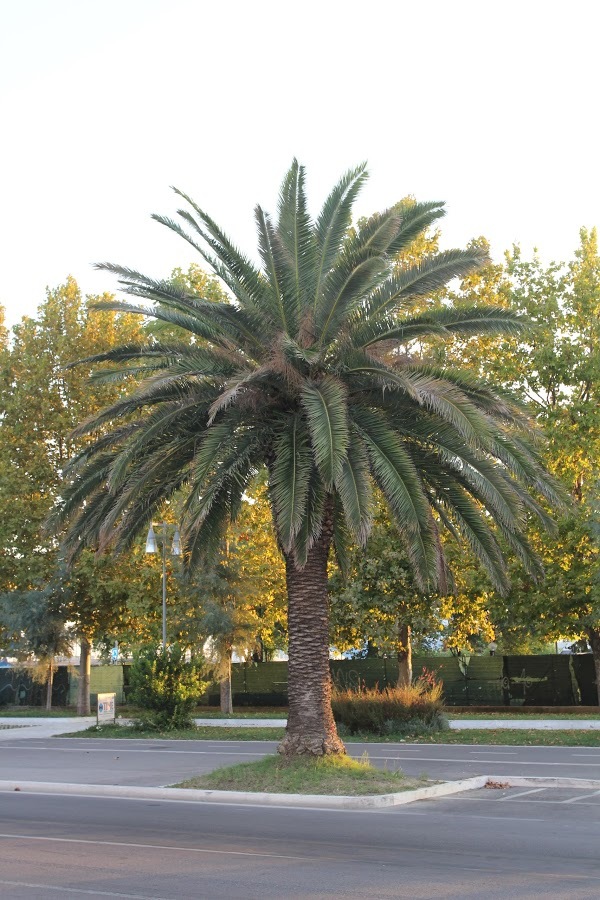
(108,680)
(585,678)
(540,680)
(17,687)
(468,681)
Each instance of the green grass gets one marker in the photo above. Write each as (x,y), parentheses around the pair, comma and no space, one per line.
(513,736)
(338,775)
(518,737)
(37,712)
(211,713)
(198,733)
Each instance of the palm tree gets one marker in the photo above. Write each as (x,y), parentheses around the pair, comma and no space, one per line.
(307,371)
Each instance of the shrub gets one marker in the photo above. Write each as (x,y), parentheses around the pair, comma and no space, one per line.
(418,709)
(166,686)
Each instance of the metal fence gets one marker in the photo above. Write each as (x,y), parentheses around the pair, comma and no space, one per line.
(567,680)
(563,680)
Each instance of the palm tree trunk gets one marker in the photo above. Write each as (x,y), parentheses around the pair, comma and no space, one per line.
(225,688)
(404,654)
(311,728)
(83,692)
(49,685)
(594,638)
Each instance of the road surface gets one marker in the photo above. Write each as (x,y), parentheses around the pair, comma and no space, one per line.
(162,762)
(486,844)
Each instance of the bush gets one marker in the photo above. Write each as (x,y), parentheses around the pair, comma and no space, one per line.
(418,709)
(166,686)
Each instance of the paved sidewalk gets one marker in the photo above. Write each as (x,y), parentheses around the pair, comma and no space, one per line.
(537,724)
(13,728)
(458,724)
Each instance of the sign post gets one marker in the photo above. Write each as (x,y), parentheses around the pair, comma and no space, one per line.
(107,710)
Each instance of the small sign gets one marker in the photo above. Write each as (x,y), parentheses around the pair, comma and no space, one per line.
(106,708)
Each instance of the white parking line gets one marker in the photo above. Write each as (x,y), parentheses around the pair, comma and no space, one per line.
(523,793)
(582,797)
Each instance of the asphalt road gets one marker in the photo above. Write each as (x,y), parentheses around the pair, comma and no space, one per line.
(162,762)
(493,845)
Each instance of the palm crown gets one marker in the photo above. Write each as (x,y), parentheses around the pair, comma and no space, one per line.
(307,369)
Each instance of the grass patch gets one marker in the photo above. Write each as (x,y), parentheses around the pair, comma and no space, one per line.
(197,733)
(338,775)
(37,712)
(518,737)
(513,736)
(211,713)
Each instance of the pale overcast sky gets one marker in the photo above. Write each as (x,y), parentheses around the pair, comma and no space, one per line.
(491,105)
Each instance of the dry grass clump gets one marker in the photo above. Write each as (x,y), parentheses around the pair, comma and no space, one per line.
(416,709)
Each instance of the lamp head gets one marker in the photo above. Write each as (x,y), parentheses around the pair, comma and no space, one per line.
(176,545)
(151,541)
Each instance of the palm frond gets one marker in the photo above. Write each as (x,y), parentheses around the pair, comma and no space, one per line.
(290,479)
(296,234)
(325,405)
(414,220)
(333,221)
(399,481)
(353,487)
(311,525)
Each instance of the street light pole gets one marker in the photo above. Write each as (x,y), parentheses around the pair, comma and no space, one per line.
(164,585)
(175,551)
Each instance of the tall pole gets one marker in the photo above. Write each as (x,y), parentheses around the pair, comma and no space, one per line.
(164,585)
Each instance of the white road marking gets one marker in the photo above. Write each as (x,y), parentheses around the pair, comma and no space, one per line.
(491,800)
(497,753)
(388,756)
(522,794)
(583,797)
(66,890)
(60,840)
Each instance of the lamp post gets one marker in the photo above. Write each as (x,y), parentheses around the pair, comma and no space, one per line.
(151,547)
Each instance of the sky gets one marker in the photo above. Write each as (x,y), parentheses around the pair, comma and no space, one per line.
(490,106)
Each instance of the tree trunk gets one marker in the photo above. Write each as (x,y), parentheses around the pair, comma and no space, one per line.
(594,638)
(83,692)
(404,653)
(311,728)
(49,685)
(225,689)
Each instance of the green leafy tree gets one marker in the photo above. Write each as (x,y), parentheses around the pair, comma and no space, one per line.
(557,372)
(41,401)
(379,602)
(289,374)
(36,619)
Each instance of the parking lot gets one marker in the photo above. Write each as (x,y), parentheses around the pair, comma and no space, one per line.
(519,795)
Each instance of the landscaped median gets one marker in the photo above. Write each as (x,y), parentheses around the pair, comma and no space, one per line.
(323,801)
(335,775)
(195,795)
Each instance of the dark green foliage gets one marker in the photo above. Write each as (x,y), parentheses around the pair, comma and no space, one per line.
(418,709)
(35,620)
(166,686)
(308,366)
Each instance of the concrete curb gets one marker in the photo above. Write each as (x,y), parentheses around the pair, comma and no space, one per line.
(190,795)
(543,781)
